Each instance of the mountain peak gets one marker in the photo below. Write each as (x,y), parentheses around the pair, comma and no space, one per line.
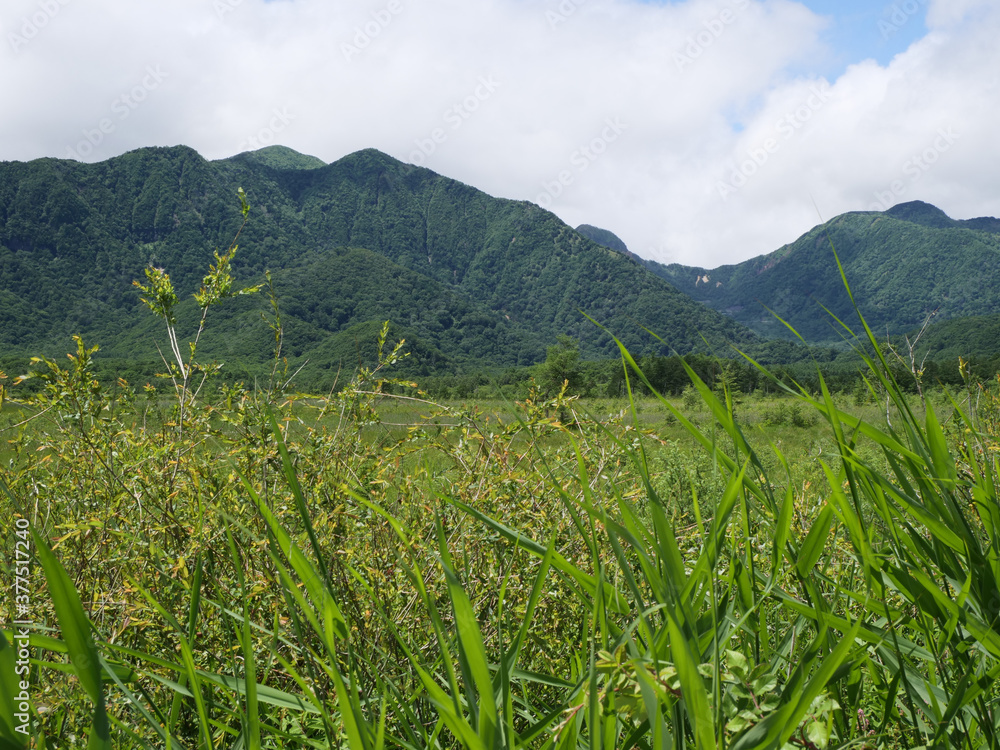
(367,156)
(918,212)
(282,157)
(603,237)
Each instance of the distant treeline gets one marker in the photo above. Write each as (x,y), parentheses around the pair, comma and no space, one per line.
(588,378)
(606,378)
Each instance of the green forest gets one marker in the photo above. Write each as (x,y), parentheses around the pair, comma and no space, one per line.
(468,279)
(904,264)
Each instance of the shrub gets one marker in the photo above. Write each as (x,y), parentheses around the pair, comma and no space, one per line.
(783,414)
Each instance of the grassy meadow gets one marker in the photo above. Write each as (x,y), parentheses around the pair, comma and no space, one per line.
(264,569)
(258,568)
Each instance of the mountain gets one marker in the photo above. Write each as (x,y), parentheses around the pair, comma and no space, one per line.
(976,336)
(607,238)
(282,157)
(902,264)
(470,280)
(603,237)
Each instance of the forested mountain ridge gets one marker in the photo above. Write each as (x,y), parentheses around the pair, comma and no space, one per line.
(604,237)
(466,277)
(902,264)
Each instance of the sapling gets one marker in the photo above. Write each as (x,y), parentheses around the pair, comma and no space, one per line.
(161,299)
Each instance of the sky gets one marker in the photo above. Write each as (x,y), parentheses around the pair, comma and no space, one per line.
(701,132)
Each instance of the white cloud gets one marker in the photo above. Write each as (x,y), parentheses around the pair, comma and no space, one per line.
(945,13)
(516,97)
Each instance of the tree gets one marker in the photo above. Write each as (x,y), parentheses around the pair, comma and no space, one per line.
(560,374)
(562,365)
(161,299)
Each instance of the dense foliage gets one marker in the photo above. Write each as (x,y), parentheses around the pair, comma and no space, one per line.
(951,339)
(603,237)
(903,264)
(468,279)
(262,569)
(757,562)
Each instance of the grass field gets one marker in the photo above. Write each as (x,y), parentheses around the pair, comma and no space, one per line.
(263,570)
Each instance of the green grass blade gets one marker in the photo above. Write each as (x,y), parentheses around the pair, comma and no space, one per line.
(692,688)
(193,613)
(777,729)
(78,636)
(136,704)
(300,502)
(455,721)
(252,725)
(303,567)
(190,670)
(815,541)
(472,650)
(511,657)
(10,688)
(586,581)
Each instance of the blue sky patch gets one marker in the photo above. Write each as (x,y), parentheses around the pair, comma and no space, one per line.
(861,30)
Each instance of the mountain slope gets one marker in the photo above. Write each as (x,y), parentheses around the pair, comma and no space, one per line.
(603,237)
(282,157)
(472,279)
(901,264)
(516,259)
(977,336)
